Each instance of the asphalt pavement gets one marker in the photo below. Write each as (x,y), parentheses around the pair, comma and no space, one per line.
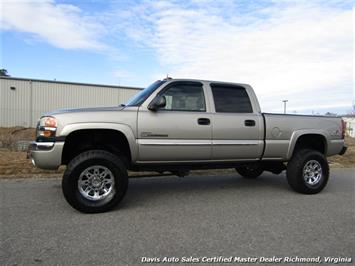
(197,216)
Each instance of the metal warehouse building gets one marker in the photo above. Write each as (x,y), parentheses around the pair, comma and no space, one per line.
(22,101)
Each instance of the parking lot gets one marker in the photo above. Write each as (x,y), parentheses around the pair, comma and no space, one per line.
(178,217)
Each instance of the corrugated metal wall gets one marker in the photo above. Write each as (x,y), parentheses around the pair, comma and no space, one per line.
(23,101)
(350,126)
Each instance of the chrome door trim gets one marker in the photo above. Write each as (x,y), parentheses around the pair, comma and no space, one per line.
(194,142)
(173,142)
(227,142)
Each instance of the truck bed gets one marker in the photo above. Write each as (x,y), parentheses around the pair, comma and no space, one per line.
(282,131)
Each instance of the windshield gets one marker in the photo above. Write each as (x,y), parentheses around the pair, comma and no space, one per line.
(140,97)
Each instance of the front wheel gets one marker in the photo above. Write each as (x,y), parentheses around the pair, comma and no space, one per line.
(95,181)
(250,171)
(308,172)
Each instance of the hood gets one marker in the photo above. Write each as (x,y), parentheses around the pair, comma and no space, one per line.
(84,110)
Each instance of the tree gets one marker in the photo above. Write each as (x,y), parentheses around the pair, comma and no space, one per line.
(330,114)
(3,73)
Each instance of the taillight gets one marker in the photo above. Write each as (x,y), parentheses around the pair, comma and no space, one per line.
(343,128)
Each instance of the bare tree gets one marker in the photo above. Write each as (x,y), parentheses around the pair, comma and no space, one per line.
(330,114)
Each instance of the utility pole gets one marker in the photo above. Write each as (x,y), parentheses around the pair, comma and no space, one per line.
(284,101)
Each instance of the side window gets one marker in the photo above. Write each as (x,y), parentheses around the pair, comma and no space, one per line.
(185,97)
(231,99)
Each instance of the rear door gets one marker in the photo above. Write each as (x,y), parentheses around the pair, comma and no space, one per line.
(181,131)
(237,132)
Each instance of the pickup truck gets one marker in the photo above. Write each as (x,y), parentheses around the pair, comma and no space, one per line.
(178,125)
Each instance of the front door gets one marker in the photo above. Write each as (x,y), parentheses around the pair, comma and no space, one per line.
(180,131)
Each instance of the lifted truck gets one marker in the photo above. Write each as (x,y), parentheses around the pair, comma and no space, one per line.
(176,125)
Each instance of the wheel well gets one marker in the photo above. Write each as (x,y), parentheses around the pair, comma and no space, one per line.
(104,139)
(311,141)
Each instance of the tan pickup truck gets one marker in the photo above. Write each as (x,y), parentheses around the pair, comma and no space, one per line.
(177,125)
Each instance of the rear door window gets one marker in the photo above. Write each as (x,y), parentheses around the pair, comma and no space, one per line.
(231,99)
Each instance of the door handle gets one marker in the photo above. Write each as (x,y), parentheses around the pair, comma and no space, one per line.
(203,121)
(249,123)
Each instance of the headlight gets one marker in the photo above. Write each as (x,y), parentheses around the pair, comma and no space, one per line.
(46,128)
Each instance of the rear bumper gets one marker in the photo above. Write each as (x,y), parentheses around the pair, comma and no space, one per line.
(343,150)
(46,155)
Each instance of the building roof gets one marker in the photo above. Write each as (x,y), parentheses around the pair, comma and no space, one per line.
(71,83)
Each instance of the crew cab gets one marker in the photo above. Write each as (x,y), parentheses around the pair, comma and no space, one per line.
(177,125)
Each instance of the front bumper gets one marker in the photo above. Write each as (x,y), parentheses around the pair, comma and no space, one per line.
(46,155)
(343,150)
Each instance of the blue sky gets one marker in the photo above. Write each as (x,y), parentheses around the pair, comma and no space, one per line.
(296,50)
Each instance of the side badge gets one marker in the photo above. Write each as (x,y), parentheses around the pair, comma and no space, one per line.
(150,134)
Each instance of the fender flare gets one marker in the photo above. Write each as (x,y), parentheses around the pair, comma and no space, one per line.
(123,128)
(299,133)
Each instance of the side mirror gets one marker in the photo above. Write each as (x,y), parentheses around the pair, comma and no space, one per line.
(158,102)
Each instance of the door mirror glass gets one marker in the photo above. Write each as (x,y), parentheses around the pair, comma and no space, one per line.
(158,102)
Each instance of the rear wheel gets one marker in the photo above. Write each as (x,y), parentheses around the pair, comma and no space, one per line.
(95,181)
(308,172)
(250,171)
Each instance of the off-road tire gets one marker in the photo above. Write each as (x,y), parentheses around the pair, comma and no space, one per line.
(297,172)
(250,172)
(84,161)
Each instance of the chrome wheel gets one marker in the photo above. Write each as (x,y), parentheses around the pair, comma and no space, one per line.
(312,172)
(96,183)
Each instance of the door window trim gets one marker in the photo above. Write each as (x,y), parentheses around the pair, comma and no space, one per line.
(168,86)
(230,85)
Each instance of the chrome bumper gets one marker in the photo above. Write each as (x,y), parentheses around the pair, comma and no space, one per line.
(39,146)
(46,155)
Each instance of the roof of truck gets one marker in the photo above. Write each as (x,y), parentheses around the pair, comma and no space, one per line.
(204,80)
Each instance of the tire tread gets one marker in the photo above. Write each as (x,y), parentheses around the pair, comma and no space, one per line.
(67,181)
(294,171)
